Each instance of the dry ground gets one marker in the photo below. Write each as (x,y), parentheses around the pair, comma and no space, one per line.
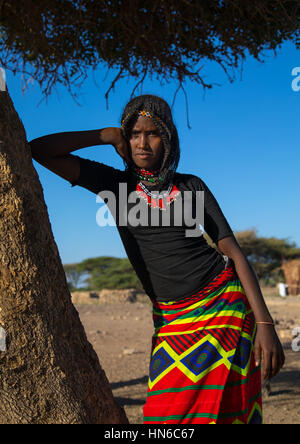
(120,332)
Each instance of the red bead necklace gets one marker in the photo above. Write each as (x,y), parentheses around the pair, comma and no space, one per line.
(155,199)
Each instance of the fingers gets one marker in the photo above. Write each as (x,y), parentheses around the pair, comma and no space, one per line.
(276,365)
(273,362)
(125,152)
(128,156)
(268,345)
(279,362)
(267,372)
(257,355)
(282,356)
(122,150)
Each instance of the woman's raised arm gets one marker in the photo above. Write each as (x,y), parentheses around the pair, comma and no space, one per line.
(53,151)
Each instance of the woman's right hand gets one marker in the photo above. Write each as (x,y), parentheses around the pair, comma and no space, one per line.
(115,137)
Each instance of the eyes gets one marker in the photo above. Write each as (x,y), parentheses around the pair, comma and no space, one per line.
(152,133)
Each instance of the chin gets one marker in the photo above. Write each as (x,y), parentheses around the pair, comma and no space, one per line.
(144,163)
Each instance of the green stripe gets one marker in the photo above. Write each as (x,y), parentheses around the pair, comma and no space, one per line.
(160,322)
(188,387)
(214,310)
(209,296)
(203,387)
(244,381)
(242,412)
(189,415)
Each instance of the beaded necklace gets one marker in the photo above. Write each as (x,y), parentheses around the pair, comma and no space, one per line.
(155,199)
(143,174)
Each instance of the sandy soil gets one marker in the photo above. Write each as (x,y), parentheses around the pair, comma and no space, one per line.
(120,332)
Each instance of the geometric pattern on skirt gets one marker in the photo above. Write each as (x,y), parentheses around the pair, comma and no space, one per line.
(202,367)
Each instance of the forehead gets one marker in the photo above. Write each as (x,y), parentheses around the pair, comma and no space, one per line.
(144,124)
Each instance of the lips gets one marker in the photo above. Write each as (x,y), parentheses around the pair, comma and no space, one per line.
(144,155)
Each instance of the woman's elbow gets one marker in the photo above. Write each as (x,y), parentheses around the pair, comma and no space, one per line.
(230,247)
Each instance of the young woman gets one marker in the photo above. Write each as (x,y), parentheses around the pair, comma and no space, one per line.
(212,326)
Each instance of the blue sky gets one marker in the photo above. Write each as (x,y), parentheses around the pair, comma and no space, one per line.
(244,143)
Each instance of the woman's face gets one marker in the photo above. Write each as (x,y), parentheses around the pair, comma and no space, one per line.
(146,145)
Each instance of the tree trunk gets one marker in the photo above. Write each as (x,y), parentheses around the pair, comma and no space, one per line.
(49,372)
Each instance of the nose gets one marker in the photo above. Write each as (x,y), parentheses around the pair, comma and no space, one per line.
(142,141)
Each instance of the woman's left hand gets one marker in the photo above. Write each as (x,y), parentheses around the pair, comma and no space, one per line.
(268,345)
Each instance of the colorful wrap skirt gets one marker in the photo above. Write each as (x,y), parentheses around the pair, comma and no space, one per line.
(202,367)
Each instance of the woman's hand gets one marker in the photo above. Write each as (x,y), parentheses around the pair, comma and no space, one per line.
(268,345)
(114,136)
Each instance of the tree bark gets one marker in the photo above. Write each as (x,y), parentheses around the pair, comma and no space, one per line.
(49,372)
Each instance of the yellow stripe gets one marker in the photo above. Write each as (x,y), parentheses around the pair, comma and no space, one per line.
(231,313)
(197,304)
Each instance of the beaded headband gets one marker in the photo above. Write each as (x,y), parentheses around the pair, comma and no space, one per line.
(144,113)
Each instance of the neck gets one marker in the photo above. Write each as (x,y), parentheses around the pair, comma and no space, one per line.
(154,171)
(143,174)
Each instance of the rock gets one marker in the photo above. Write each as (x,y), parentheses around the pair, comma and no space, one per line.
(129,351)
(106,296)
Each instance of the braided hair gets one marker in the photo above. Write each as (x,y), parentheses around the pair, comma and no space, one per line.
(160,112)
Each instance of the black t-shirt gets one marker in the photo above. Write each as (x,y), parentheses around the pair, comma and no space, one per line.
(169,263)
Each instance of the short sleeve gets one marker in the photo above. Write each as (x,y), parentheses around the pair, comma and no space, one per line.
(96,176)
(215,223)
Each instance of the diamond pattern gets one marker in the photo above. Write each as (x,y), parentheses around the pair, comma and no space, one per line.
(243,353)
(160,362)
(201,358)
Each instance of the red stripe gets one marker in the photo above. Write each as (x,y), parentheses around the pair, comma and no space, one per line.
(222,320)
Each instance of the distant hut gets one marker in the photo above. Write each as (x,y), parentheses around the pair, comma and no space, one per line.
(291,271)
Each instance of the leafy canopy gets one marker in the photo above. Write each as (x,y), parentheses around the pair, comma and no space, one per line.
(102,272)
(58,41)
(267,254)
